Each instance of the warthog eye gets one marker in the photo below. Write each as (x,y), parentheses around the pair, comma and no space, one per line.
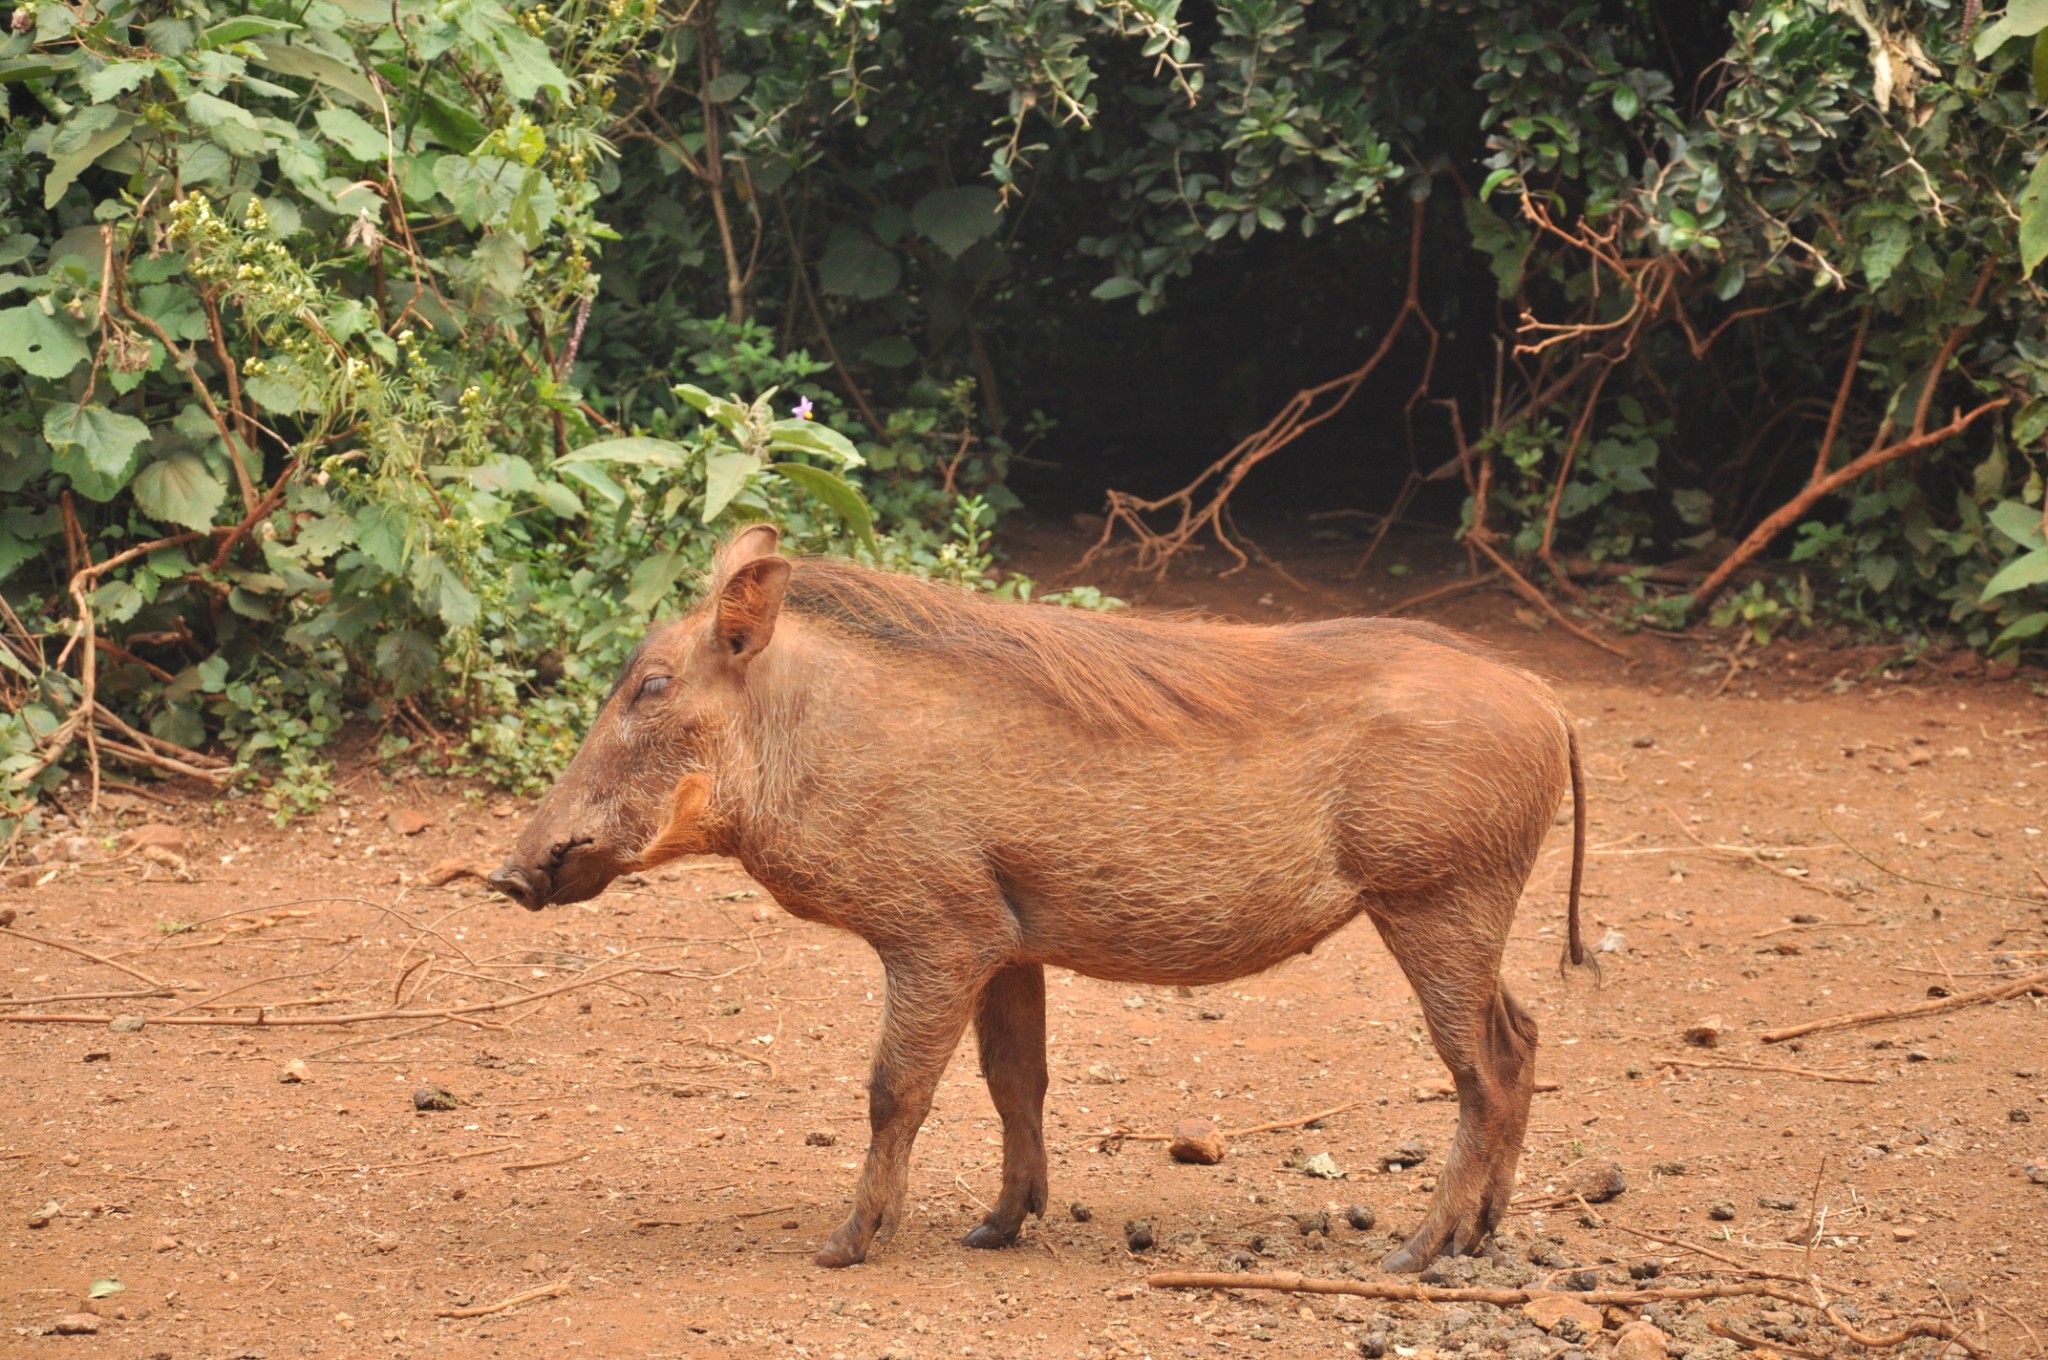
(653,684)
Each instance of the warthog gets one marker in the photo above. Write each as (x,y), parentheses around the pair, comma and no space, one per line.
(979,789)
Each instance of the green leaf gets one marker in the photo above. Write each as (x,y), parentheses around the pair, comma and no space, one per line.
(524,62)
(2022,19)
(407,659)
(1627,103)
(36,67)
(954,219)
(452,125)
(727,87)
(112,81)
(1109,290)
(307,63)
(442,592)
(725,476)
(2041,67)
(1889,241)
(2018,522)
(2028,570)
(242,28)
(2031,423)
(559,499)
(2020,630)
(180,489)
(890,351)
(653,578)
(594,479)
(354,134)
(39,342)
(856,267)
(96,448)
(637,449)
(835,492)
(805,436)
(89,134)
(2032,203)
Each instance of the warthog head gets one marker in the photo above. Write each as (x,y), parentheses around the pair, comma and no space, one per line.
(637,793)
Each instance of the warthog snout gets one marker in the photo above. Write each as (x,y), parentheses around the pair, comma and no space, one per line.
(513,881)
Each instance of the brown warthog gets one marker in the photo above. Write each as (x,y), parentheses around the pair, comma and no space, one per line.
(979,789)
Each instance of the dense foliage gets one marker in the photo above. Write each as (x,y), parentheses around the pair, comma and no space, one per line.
(375,358)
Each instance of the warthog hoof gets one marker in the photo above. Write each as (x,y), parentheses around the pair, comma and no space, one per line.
(836,1254)
(990,1238)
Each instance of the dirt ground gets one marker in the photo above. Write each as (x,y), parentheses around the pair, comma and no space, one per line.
(679,1067)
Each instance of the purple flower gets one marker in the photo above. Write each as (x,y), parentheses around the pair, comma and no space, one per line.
(803,409)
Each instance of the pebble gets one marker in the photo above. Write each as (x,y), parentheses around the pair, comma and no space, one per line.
(1722,1211)
(1904,1234)
(409,821)
(1649,1268)
(2037,1173)
(1360,1217)
(76,1324)
(1212,1015)
(69,1159)
(165,1243)
(433,1098)
(1197,1142)
(1581,1281)
(294,1072)
(1240,1260)
(820,1138)
(1643,742)
(1313,1223)
(1706,1032)
(127,1024)
(1321,1165)
(41,1217)
(1409,1152)
(1138,1235)
(1080,1212)
(154,836)
(1782,1203)
(1598,1182)
(1548,1310)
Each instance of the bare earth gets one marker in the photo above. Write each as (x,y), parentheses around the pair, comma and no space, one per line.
(1806,840)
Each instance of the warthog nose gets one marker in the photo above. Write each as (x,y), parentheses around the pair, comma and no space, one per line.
(512,881)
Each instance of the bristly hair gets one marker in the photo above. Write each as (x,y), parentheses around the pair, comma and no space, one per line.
(1128,675)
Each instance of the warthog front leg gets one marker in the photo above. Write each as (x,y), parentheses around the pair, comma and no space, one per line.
(1010,1029)
(1452,959)
(924,1013)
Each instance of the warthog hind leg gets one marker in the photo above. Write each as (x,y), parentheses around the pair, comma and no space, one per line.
(1489,1044)
(1010,1030)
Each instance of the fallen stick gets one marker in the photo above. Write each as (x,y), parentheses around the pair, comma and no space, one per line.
(1738,1066)
(403,1166)
(86,996)
(714,1218)
(135,973)
(1749,1342)
(552,1161)
(1743,1266)
(1940,1330)
(1126,1136)
(1292,1282)
(546,1291)
(2006,992)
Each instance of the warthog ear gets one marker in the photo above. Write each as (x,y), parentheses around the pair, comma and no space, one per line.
(749,544)
(683,832)
(748,600)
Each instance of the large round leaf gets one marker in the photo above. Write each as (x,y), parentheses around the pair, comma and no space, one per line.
(96,448)
(39,342)
(856,267)
(180,489)
(954,219)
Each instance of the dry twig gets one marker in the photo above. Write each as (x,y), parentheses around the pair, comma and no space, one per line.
(2004,992)
(545,1291)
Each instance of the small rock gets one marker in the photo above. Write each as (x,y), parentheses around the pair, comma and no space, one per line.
(1211,1014)
(1360,1217)
(41,1217)
(408,821)
(165,1243)
(127,1024)
(1313,1223)
(154,836)
(1598,1182)
(1198,1142)
(1080,1212)
(1373,1345)
(1550,1255)
(1410,1152)
(1549,1309)
(1805,918)
(1138,1235)
(1649,1268)
(2037,1173)
(1784,1204)
(1322,1165)
(76,1324)
(1643,742)
(69,1159)
(820,1138)
(1904,1234)
(448,870)
(1613,942)
(295,1072)
(1580,1281)
(536,1264)
(2018,1116)
(1104,1074)
(1721,1211)
(1919,1055)
(6,917)
(433,1098)
(93,1055)
(504,807)
(1707,1032)
(1240,1260)
(1641,1341)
